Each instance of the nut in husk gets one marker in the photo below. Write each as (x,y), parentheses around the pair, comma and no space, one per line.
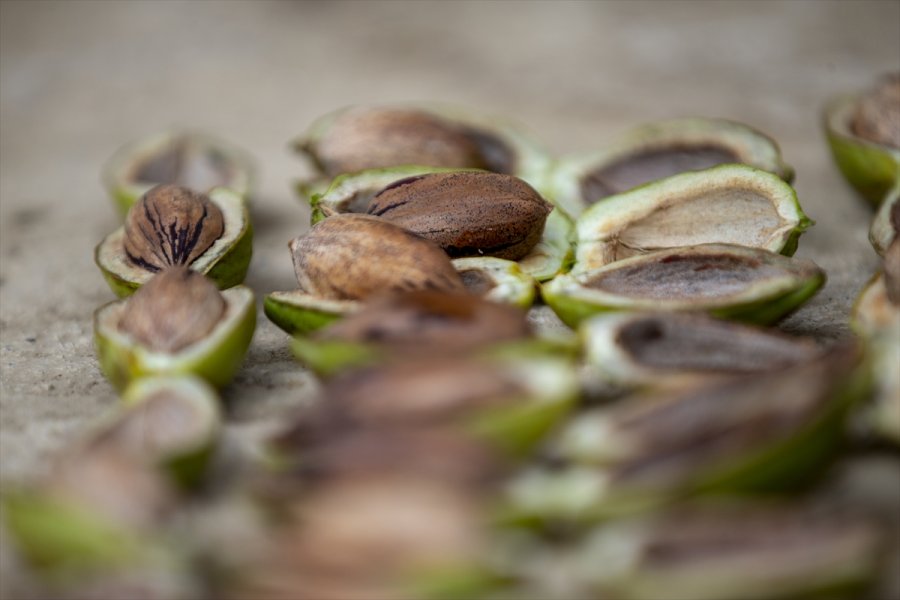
(352,257)
(355,192)
(725,434)
(171,226)
(211,234)
(863,133)
(877,114)
(364,138)
(176,308)
(467,213)
(193,159)
(163,334)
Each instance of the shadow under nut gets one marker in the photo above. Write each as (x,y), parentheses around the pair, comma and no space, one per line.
(353,257)
(467,213)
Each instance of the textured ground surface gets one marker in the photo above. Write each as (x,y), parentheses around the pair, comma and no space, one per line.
(79,79)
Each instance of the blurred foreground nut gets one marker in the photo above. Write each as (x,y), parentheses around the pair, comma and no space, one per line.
(175,309)
(352,257)
(171,225)
(435,322)
(367,537)
(467,213)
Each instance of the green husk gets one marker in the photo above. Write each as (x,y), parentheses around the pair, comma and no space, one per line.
(872,169)
(215,358)
(225,263)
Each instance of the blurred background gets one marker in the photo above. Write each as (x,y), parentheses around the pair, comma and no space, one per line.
(80,79)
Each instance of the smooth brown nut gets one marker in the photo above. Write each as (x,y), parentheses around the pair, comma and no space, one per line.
(366,138)
(173,310)
(467,213)
(352,257)
(877,116)
(171,225)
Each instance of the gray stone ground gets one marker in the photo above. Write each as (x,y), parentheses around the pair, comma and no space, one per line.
(78,79)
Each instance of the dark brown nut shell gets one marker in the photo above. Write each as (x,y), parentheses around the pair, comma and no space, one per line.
(173,310)
(467,213)
(366,138)
(169,226)
(353,257)
(431,322)
(877,116)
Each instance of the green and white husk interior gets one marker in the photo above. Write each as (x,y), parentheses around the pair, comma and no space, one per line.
(496,279)
(687,144)
(353,193)
(192,159)
(215,358)
(727,281)
(528,159)
(174,421)
(225,262)
(871,168)
(728,204)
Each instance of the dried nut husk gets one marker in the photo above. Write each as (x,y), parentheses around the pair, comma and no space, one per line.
(658,150)
(171,226)
(193,159)
(731,551)
(173,310)
(354,193)
(174,226)
(861,130)
(367,137)
(353,257)
(368,536)
(877,114)
(467,213)
(729,204)
(746,284)
(886,224)
(734,434)
(643,348)
(214,356)
(419,323)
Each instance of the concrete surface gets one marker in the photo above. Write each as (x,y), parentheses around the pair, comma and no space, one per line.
(78,79)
